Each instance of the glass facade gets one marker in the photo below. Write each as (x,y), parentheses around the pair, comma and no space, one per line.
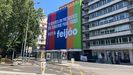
(112,56)
(99,4)
(108,9)
(110,30)
(110,19)
(112,41)
(107,23)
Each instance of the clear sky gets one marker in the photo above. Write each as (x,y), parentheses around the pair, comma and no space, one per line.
(50,5)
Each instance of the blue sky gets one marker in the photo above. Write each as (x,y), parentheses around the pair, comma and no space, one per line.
(50,5)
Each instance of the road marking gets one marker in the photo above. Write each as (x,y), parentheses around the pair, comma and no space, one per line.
(54,70)
(16,70)
(16,73)
(54,67)
(65,73)
(51,69)
(3,67)
(57,71)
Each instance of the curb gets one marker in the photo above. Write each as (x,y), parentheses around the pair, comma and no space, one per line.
(16,73)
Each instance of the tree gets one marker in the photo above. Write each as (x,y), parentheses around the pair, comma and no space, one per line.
(14,15)
(5,14)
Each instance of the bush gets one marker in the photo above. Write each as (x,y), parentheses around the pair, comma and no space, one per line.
(6,60)
(3,59)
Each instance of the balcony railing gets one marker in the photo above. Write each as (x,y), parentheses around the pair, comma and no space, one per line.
(85,6)
(85,1)
(84,22)
(131,19)
(130,5)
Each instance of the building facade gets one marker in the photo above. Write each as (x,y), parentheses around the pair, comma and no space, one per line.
(41,40)
(64,33)
(108,30)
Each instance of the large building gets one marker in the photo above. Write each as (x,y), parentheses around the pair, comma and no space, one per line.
(41,40)
(107,30)
(64,32)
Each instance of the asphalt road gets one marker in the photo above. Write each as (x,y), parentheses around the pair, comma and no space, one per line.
(83,69)
(50,69)
(62,70)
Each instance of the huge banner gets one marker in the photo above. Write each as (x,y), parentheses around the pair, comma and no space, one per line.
(64,28)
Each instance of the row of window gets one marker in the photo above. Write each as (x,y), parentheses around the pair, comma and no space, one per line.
(110,30)
(112,41)
(90,0)
(98,4)
(109,9)
(111,19)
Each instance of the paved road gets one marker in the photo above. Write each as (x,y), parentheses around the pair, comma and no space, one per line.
(50,69)
(107,69)
(96,69)
(63,70)
(76,69)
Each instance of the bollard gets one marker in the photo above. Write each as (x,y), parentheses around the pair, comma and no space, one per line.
(93,73)
(32,62)
(62,68)
(43,67)
(70,70)
(81,73)
(72,60)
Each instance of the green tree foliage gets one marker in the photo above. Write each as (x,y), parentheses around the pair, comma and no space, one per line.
(13,21)
(5,14)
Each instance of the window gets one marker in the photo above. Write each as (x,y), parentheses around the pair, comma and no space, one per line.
(108,9)
(107,31)
(110,19)
(100,3)
(94,42)
(122,28)
(130,39)
(117,40)
(124,39)
(97,42)
(120,40)
(102,42)
(102,32)
(91,43)
(107,41)
(110,30)
(112,40)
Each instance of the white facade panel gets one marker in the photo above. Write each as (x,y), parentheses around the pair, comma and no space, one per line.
(104,6)
(113,47)
(111,35)
(110,24)
(109,14)
(90,3)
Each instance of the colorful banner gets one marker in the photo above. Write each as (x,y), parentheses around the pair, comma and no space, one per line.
(64,28)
